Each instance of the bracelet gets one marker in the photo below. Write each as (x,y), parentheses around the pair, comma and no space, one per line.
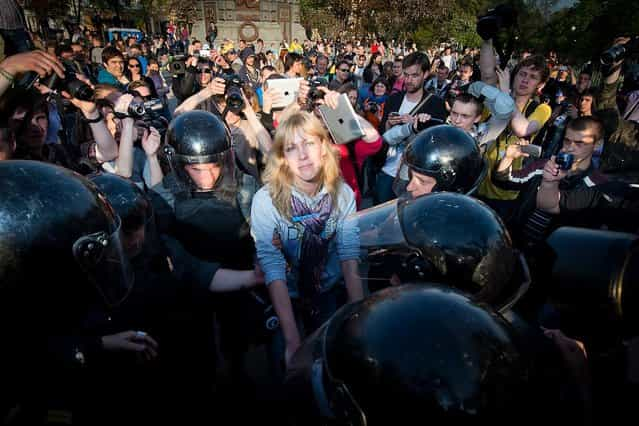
(95,120)
(6,74)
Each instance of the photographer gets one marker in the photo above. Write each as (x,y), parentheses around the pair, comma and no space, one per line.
(620,152)
(373,105)
(35,61)
(194,79)
(529,117)
(554,187)
(134,161)
(207,86)
(250,73)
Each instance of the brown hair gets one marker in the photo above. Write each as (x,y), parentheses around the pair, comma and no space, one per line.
(537,63)
(581,124)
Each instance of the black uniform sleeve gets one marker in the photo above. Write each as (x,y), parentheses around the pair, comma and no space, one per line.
(184,86)
(189,269)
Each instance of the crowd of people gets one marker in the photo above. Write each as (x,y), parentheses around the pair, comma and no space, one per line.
(165,212)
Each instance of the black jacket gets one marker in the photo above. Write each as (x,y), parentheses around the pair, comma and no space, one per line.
(433,106)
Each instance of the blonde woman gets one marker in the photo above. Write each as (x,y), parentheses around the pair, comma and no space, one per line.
(297,220)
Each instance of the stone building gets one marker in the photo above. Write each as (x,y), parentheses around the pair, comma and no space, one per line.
(272,21)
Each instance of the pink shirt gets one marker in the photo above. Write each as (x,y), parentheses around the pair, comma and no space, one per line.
(362,151)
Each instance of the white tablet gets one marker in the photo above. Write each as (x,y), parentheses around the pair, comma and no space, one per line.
(288,87)
(342,121)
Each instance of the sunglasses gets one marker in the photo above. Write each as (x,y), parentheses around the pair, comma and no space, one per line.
(204,71)
(345,70)
(133,66)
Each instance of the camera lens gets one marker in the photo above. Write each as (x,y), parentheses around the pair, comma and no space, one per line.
(612,55)
(80,90)
(136,109)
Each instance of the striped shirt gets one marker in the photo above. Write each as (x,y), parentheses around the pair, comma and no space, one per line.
(11,17)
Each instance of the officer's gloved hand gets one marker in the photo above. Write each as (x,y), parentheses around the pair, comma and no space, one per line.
(414,267)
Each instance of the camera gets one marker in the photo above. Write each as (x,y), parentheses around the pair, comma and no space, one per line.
(148,114)
(202,53)
(314,94)
(141,109)
(501,17)
(564,160)
(233,92)
(177,64)
(70,83)
(620,51)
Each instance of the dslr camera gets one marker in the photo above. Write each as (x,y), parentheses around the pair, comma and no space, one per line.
(501,17)
(70,83)
(233,92)
(620,51)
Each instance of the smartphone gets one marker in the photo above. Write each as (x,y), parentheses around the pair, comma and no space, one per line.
(394,114)
(342,122)
(564,160)
(288,87)
(532,150)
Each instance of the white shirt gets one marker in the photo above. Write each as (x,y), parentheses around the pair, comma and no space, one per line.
(395,152)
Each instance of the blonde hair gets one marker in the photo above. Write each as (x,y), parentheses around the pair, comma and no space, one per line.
(278,174)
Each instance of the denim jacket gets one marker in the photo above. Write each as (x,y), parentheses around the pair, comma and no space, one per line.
(283,264)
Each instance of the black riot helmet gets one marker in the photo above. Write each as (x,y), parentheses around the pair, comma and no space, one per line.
(464,241)
(447,154)
(132,206)
(199,137)
(60,242)
(414,352)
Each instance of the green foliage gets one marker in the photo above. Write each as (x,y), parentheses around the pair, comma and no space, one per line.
(424,37)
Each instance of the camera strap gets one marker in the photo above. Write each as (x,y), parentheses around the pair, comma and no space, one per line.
(421,103)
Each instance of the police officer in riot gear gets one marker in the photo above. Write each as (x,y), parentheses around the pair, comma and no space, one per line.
(440,158)
(417,354)
(209,196)
(61,255)
(169,301)
(449,238)
(210,199)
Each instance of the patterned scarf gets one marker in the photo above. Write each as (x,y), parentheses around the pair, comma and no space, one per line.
(314,249)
